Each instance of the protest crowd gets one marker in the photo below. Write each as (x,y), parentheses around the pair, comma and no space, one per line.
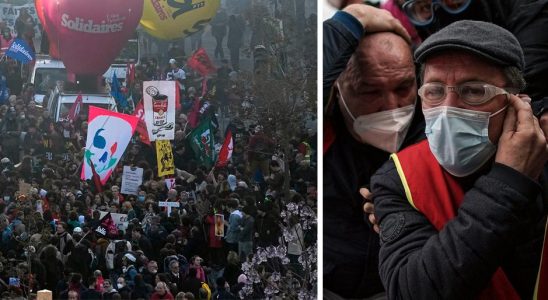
(179,236)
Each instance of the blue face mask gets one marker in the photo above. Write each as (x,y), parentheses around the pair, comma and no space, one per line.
(459,138)
(141,198)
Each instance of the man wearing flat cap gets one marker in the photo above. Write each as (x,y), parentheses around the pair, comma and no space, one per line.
(462,214)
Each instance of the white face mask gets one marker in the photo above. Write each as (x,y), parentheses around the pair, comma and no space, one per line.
(120,285)
(459,138)
(385,130)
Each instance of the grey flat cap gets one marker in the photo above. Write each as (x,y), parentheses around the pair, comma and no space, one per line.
(487,40)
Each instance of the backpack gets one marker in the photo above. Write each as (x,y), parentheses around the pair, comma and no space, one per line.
(205,286)
(116,247)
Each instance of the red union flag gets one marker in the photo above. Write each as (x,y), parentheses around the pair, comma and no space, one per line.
(141,125)
(226,150)
(75,108)
(200,62)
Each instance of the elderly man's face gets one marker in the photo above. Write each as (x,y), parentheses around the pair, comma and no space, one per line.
(379,77)
(454,68)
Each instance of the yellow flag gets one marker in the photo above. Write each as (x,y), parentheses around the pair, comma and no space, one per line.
(173,19)
(164,155)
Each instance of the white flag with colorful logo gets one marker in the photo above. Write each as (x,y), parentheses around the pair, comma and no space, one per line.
(109,134)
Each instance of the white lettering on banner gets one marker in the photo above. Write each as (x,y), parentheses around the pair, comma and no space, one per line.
(10,12)
(101,230)
(169,205)
(15,47)
(89,26)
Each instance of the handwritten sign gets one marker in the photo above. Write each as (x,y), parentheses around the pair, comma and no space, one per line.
(132,178)
(169,205)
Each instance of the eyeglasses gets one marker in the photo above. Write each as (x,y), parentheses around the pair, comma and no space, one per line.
(421,12)
(472,93)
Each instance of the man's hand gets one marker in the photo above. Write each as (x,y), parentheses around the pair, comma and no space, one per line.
(544,124)
(369,208)
(377,20)
(522,144)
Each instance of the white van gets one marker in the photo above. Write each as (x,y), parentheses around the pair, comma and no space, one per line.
(45,74)
(59,103)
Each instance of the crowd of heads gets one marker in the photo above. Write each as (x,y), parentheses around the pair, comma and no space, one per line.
(48,215)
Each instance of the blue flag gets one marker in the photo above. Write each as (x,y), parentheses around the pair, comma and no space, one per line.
(117,93)
(21,51)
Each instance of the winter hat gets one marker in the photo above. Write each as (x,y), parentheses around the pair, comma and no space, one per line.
(487,40)
(130,257)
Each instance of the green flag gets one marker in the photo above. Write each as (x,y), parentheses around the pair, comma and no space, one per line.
(202,143)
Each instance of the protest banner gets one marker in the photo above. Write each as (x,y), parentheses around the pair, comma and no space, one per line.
(159,102)
(119,220)
(109,134)
(164,156)
(169,205)
(132,178)
(10,12)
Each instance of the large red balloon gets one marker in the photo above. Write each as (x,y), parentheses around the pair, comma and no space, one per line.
(88,35)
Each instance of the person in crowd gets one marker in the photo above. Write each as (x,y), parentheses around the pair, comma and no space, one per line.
(175,275)
(177,74)
(234,221)
(477,227)
(91,293)
(219,30)
(518,17)
(223,290)
(141,290)
(150,272)
(260,149)
(370,89)
(234,41)
(109,290)
(63,216)
(161,292)
(247,226)
(192,283)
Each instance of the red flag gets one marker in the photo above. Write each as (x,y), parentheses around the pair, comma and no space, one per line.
(194,114)
(200,62)
(226,150)
(96,178)
(141,125)
(75,108)
(130,73)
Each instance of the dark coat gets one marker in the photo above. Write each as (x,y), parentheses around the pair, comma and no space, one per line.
(500,223)
(350,244)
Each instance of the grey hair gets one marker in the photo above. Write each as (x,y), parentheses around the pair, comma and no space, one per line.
(513,75)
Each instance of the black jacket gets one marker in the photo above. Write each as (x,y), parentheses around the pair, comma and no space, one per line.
(499,224)
(350,245)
